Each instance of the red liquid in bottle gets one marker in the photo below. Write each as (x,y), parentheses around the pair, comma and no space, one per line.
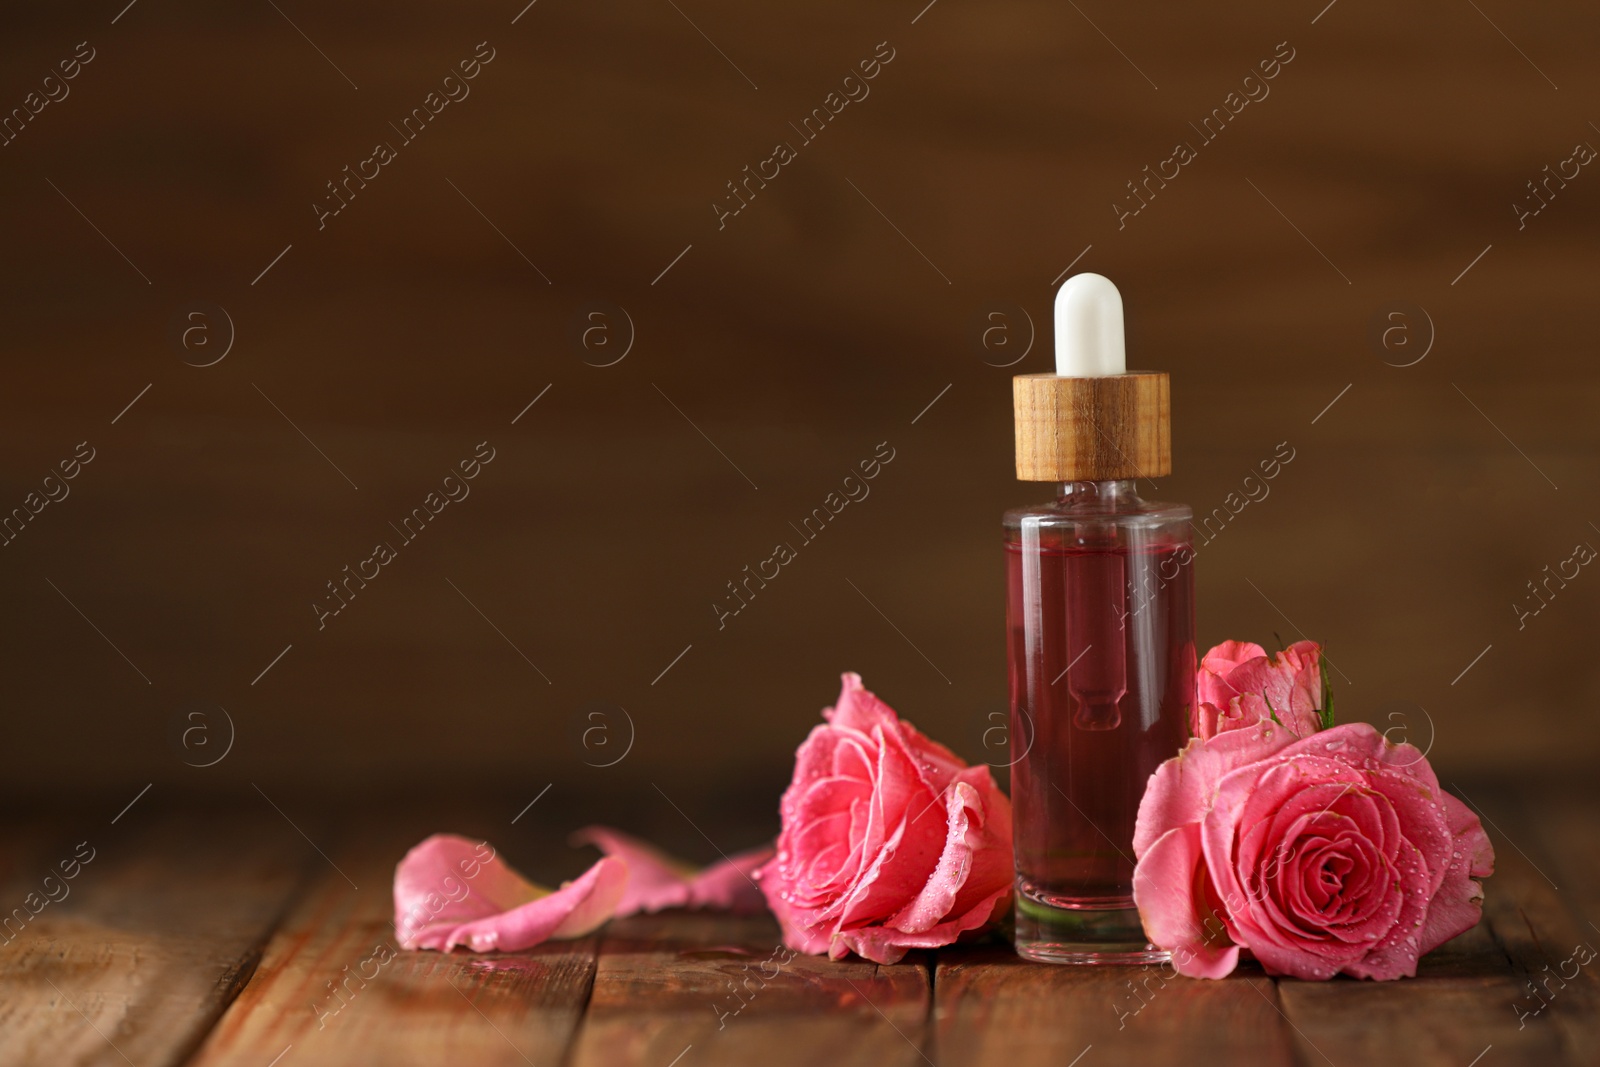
(1102,667)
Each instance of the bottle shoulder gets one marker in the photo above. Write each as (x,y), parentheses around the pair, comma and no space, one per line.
(1122,525)
(1131,513)
(1091,515)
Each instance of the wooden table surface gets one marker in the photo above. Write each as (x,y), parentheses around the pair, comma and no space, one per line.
(201,933)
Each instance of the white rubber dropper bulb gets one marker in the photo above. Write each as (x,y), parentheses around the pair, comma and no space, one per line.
(1089,338)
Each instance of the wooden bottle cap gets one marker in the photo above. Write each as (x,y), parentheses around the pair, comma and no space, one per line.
(1092,429)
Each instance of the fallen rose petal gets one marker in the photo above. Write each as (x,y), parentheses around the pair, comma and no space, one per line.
(577,908)
(451,878)
(729,885)
(450,891)
(657,881)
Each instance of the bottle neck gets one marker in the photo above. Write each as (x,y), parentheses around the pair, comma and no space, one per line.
(1113,494)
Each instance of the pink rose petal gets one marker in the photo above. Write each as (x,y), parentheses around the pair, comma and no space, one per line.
(1164,885)
(451,891)
(901,864)
(886,944)
(1458,905)
(973,852)
(1223,658)
(657,881)
(1187,782)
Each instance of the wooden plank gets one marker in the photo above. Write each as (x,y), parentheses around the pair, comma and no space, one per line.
(993,1007)
(1436,1018)
(725,988)
(148,941)
(1565,823)
(1547,860)
(333,987)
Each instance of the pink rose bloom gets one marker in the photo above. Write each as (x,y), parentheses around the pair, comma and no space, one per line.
(889,841)
(1337,852)
(1238,686)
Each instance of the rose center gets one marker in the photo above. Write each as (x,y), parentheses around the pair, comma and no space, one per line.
(1334,869)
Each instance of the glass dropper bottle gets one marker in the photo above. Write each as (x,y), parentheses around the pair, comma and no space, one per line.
(1100,592)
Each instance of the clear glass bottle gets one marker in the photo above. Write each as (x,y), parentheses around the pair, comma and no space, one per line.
(1101,644)
(1102,661)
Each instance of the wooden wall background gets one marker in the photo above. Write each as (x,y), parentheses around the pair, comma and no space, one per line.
(797,338)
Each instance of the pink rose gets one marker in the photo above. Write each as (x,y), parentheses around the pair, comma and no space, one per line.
(1329,853)
(1238,686)
(889,841)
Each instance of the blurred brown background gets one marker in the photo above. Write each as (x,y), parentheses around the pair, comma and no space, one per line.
(767,358)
